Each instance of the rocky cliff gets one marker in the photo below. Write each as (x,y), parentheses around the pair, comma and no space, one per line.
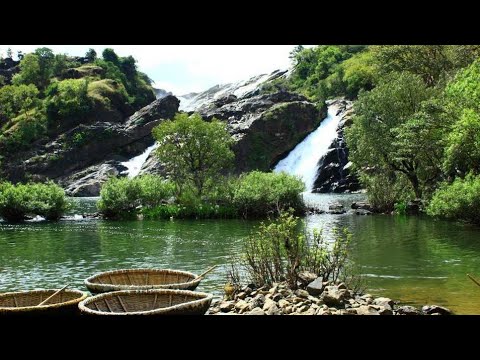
(8,68)
(82,157)
(334,173)
(265,126)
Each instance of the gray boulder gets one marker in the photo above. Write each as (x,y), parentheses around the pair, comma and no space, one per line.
(315,288)
(432,309)
(334,296)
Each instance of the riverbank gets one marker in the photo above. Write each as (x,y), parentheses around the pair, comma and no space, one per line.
(414,260)
(317,298)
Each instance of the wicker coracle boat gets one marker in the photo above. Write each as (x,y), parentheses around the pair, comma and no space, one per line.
(142,279)
(27,302)
(147,302)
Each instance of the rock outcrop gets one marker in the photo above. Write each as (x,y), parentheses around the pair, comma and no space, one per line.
(89,182)
(160,93)
(334,167)
(8,68)
(265,127)
(83,157)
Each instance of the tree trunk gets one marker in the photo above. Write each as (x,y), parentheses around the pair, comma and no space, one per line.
(415,184)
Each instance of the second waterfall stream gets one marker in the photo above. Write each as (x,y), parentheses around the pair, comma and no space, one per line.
(302,161)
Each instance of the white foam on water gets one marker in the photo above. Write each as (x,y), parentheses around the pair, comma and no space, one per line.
(135,164)
(302,161)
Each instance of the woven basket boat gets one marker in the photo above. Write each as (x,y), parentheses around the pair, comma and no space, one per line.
(142,279)
(147,302)
(24,302)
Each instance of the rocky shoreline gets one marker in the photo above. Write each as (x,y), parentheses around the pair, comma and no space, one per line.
(317,298)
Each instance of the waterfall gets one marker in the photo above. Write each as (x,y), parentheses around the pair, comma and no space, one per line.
(135,164)
(303,160)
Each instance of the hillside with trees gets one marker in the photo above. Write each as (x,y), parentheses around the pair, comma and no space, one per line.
(415,132)
(43,94)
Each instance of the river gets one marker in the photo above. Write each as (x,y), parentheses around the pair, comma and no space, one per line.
(414,260)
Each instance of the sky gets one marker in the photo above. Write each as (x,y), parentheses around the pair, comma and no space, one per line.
(188,68)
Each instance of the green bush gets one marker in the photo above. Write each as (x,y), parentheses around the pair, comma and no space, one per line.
(280,250)
(254,195)
(26,128)
(199,211)
(119,198)
(122,197)
(259,195)
(48,200)
(17,201)
(401,208)
(154,190)
(68,99)
(385,189)
(108,93)
(459,200)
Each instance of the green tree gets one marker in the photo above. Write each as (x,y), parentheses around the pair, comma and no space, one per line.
(91,55)
(462,140)
(359,72)
(36,68)
(462,153)
(295,52)
(193,150)
(67,99)
(16,100)
(109,55)
(61,63)
(433,63)
(386,121)
(128,67)
(321,72)
(29,71)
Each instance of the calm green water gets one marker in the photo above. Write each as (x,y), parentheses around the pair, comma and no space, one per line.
(413,260)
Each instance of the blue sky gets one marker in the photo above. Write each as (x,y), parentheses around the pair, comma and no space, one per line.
(187,68)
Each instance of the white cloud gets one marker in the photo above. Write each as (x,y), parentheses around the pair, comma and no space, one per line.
(177,89)
(190,67)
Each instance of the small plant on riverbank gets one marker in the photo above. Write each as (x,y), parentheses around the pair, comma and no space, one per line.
(281,250)
(122,197)
(259,194)
(18,201)
(459,200)
(48,200)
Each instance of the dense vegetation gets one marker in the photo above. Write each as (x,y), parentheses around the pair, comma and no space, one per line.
(52,92)
(327,71)
(253,195)
(123,197)
(458,200)
(197,157)
(18,201)
(416,126)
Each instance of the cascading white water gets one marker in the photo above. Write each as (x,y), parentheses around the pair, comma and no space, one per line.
(134,165)
(303,160)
